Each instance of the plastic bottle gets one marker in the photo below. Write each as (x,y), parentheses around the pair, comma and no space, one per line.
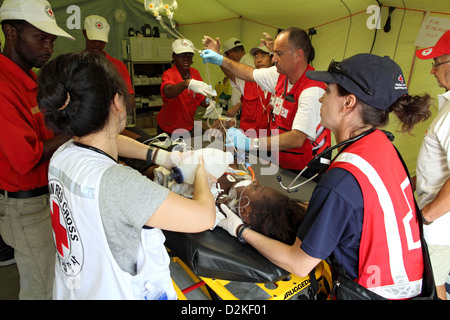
(154,292)
(216,162)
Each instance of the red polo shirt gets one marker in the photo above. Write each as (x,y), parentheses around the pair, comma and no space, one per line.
(123,71)
(22,130)
(178,113)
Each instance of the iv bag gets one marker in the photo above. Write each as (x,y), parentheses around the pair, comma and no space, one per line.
(155,6)
(169,5)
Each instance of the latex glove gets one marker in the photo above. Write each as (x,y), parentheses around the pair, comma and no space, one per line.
(167,159)
(210,110)
(231,222)
(201,87)
(219,217)
(240,140)
(211,57)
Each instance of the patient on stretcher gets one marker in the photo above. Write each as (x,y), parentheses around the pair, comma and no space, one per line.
(265,209)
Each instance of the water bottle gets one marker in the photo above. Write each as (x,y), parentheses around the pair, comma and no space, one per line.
(215,161)
(154,292)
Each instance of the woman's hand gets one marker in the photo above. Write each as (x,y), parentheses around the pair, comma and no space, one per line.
(231,222)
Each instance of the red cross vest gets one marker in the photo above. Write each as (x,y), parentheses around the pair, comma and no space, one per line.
(390,253)
(282,120)
(255,110)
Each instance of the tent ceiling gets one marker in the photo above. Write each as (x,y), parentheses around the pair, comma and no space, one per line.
(286,13)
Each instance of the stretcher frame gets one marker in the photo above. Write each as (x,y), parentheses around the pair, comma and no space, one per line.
(283,289)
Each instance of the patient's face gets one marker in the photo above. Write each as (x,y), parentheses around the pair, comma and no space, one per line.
(254,192)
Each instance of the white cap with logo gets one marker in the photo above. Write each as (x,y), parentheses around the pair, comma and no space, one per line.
(182,45)
(97,28)
(38,13)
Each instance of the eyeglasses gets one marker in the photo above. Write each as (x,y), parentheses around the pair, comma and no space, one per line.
(435,65)
(336,67)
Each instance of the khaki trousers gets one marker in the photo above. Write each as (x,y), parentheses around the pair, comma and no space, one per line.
(25,225)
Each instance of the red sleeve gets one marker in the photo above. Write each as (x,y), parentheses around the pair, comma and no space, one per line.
(168,77)
(19,143)
(126,76)
(123,71)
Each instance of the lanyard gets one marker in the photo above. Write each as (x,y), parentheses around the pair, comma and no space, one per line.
(78,144)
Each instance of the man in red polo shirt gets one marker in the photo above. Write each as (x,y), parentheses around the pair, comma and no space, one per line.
(182,91)
(26,144)
(96,30)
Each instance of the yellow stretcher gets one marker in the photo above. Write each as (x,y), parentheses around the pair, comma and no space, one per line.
(214,261)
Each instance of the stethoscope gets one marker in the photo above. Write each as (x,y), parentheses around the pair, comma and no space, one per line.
(323,160)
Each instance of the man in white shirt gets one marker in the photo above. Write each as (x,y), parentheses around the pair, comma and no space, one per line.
(296,107)
(234,50)
(433,168)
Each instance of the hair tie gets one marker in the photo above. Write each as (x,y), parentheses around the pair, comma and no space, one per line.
(65,103)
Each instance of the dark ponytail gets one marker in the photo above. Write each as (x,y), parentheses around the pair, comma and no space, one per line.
(410,110)
(75,92)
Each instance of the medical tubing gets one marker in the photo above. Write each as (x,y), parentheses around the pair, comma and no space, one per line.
(178,35)
(208,79)
(346,142)
(252,172)
(239,202)
(172,23)
(291,189)
(161,22)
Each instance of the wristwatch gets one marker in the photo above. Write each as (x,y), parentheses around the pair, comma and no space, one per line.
(255,143)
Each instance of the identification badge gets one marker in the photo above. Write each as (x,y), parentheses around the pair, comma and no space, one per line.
(284,112)
(278,105)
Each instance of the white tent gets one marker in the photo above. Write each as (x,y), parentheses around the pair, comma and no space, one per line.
(341,29)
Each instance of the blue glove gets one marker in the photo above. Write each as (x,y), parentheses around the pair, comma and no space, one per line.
(211,57)
(240,140)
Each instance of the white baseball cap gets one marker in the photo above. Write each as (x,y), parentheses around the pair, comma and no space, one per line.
(38,13)
(182,45)
(97,28)
(231,43)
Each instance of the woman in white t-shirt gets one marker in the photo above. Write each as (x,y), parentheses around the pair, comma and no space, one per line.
(99,207)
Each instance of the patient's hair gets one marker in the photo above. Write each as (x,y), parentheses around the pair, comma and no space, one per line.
(277,219)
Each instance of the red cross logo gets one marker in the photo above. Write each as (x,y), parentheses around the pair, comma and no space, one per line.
(49,11)
(60,232)
(400,78)
(99,25)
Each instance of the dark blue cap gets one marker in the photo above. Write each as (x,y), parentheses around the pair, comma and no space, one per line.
(376,81)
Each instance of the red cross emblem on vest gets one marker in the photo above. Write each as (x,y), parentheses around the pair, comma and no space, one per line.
(59,230)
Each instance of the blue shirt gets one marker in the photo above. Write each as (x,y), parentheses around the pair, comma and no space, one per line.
(334,220)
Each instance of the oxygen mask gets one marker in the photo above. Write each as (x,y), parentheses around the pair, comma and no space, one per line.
(236,201)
